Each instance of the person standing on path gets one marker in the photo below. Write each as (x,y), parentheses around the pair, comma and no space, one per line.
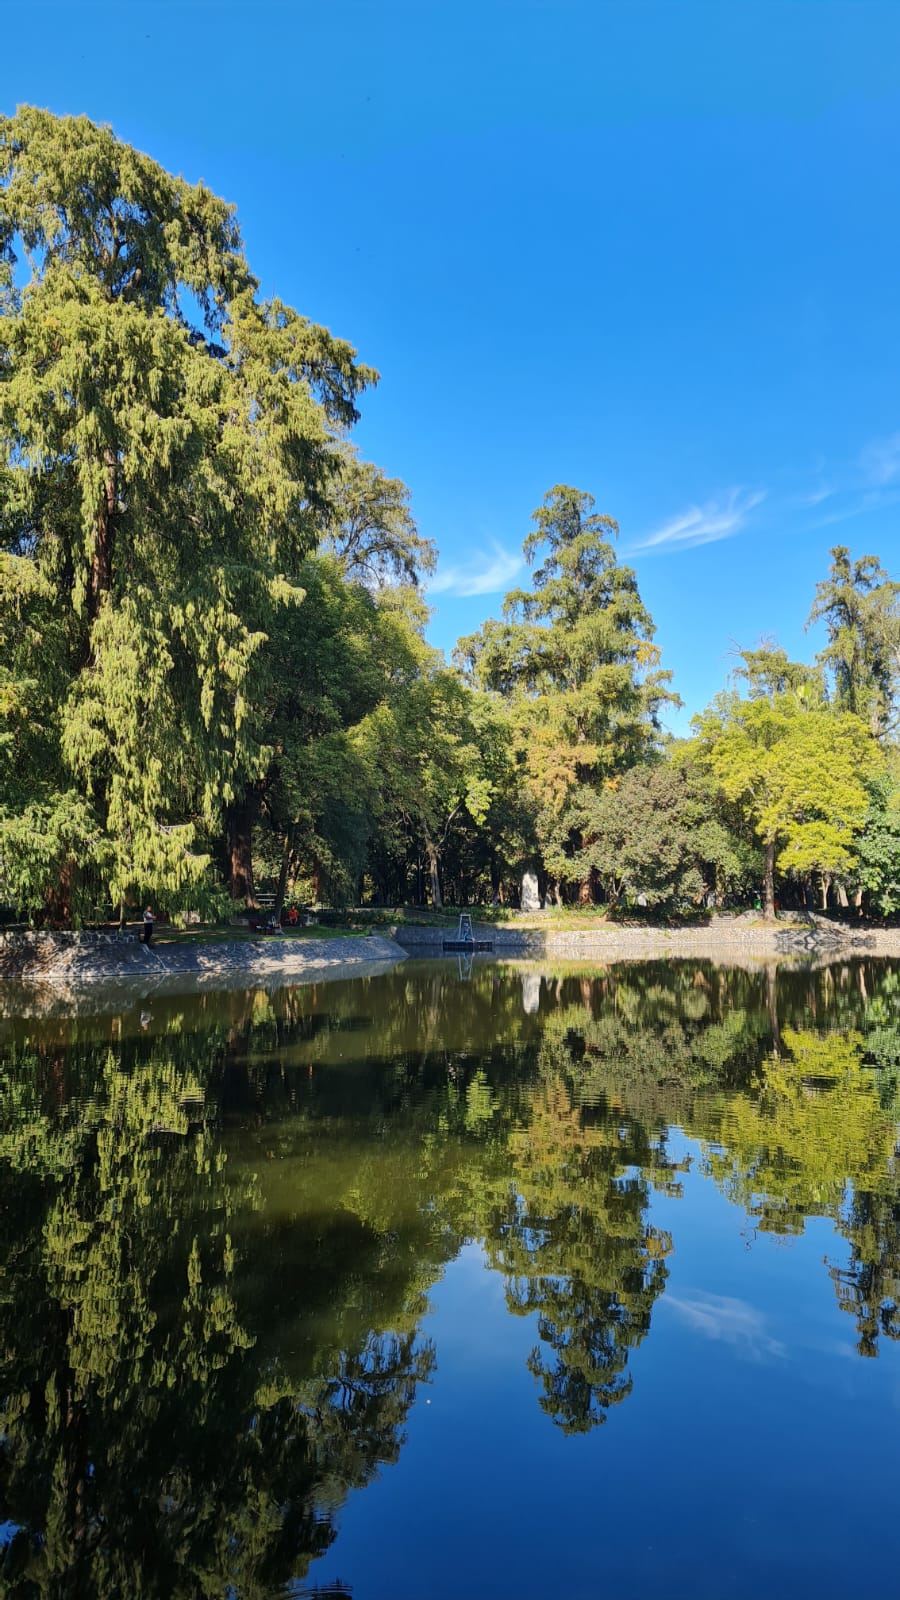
(148,925)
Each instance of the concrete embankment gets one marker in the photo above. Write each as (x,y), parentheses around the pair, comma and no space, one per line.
(69,965)
(724,939)
(77,960)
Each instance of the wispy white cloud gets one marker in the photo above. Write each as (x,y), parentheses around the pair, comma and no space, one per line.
(867,483)
(880,460)
(816,497)
(854,506)
(735,1322)
(487,575)
(715,519)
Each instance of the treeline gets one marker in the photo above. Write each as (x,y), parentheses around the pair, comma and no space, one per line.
(213,669)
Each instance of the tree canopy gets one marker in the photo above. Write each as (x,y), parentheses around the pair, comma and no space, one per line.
(797,771)
(574,663)
(168,436)
(860,605)
(214,671)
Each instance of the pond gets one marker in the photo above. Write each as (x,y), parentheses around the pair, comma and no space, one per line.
(462,1280)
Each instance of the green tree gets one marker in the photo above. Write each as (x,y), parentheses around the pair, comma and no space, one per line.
(425,745)
(46,826)
(342,655)
(657,831)
(354,643)
(878,846)
(574,660)
(797,773)
(860,605)
(167,438)
(483,854)
(371,528)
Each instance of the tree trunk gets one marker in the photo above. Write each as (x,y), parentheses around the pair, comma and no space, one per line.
(770,880)
(281,891)
(433,868)
(239,817)
(826,885)
(58,908)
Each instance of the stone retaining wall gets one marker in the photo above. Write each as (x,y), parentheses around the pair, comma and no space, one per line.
(85,958)
(722,939)
(79,959)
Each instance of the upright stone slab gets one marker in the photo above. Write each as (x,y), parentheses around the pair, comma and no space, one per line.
(531,899)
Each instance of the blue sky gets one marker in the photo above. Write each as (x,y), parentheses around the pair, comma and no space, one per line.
(649,249)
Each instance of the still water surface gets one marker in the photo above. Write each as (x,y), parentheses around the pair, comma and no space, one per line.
(454,1284)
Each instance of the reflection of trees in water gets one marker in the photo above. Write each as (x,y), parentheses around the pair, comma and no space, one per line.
(148,1446)
(793,1122)
(812,1126)
(573,1240)
(869,1286)
(202,1355)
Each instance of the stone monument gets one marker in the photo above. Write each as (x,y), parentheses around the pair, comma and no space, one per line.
(531,899)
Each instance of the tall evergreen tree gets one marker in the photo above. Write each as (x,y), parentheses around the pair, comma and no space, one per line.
(860,605)
(369,525)
(166,443)
(575,660)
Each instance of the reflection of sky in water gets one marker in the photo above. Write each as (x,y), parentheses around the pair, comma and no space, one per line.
(727,1471)
(618,1211)
(717,1316)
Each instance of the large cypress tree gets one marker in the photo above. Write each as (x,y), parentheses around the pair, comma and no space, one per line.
(860,605)
(166,439)
(574,661)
